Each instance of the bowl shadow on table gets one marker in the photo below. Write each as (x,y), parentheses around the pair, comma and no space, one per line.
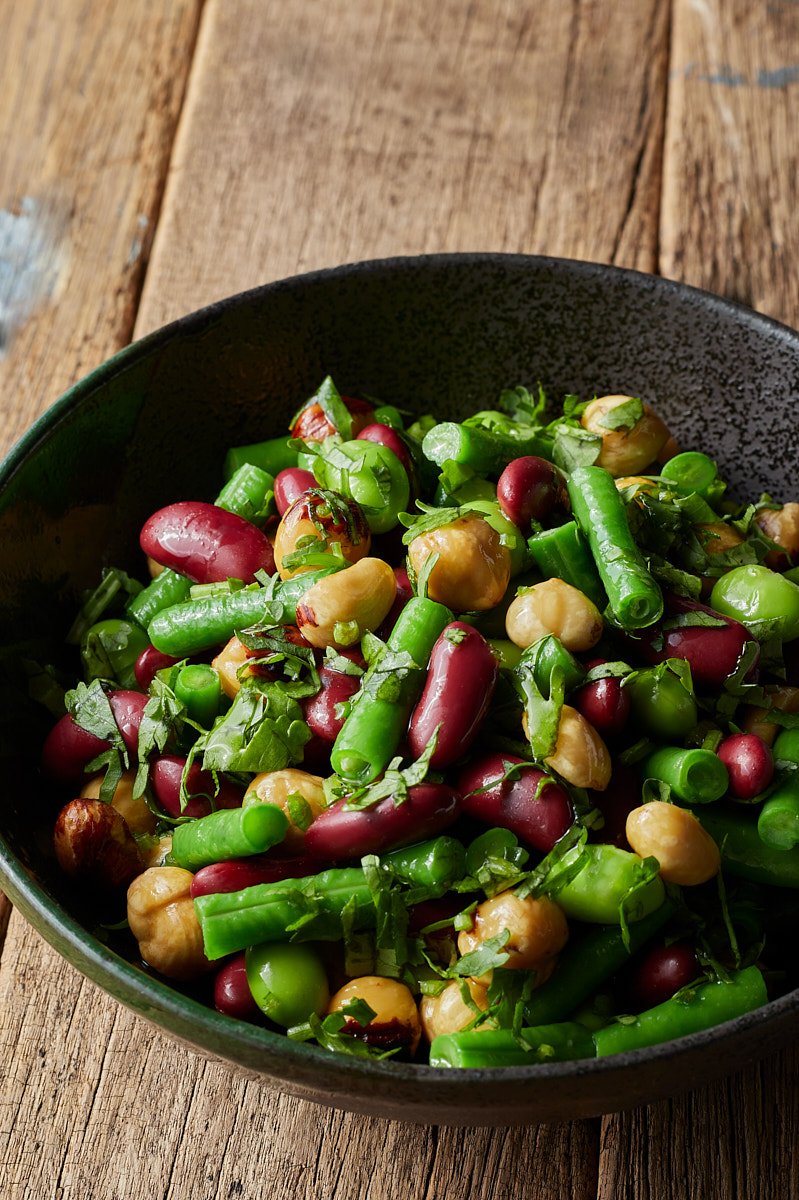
(442,334)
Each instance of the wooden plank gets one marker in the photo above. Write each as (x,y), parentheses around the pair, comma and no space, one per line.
(405,128)
(87,118)
(730,195)
(731,161)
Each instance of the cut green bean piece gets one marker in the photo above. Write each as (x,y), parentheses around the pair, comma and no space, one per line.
(743,852)
(228,833)
(507,653)
(248,494)
(200,689)
(697,1008)
(547,654)
(778,822)
(480,1048)
(635,598)
(610,884)
(379,712)
(563,553)
(166,589)
(695,776)
(786,746)
(487,453)
(196,625)
(272,456)
(587,963)
(319,907)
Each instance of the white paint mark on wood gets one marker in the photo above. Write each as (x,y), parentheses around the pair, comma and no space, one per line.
(32,261)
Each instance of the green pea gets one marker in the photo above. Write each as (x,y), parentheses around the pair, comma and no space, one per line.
(661,706)
(754,593)
(609,880)
(110,648)
(387,414)
(287,981)
(370,474)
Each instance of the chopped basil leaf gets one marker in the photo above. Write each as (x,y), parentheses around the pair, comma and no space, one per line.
(114,585)
(623,416)
(262,731)
(575,447)
(487,957)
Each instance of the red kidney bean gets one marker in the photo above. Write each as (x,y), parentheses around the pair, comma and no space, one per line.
(68,748)
(404,594)
(291,483)
(148,663)
(604,703)
(313,425)
(165,776)
(460,683)
(384,435)
(320,710)
(661,973)
(339,833)
(430,912)
(206,543)
(316,756)
(538,819)
(239,873)
(232,994)
(529,489)
(620,797)
(749,763)
(712,652)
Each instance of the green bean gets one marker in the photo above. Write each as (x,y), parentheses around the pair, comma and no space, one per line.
(228,833)
(562,553)
(271,456)
(588,962)
(484,451)
(380,710)
(200,689)
(635,598)
(319,907)
(168,588)
(695,776)
(699,1008)
(507,653)
(786,746)
(778,822)
(247,493)
(743,852)
(196,625)
(547,654)
(476,1048)
(110,648)
(610,884)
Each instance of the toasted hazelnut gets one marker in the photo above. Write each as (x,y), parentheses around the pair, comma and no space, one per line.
(93,843)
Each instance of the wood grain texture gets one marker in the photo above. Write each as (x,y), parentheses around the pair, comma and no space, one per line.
(318,134)
(87,117)
(731,163)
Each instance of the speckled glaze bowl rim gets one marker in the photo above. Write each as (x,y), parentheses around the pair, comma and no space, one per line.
(238,1042)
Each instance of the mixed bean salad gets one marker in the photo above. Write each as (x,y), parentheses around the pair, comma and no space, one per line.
(476,742)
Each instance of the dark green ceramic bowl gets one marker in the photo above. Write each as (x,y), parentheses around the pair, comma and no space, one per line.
(443,333)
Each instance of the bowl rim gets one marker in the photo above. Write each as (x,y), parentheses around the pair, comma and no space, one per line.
(188,1017)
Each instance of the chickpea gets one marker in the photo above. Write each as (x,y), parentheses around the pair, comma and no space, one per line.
(154,568)
(135,813)
(670,449)
(155,850)
(686,853)
(311,519)
(717,537)
(473,568)
(784,699)
(580,755)
(280,788)
(625,451)
(537,926)
(227,664)
(448,1012)
(396,1020)
(163,921)
(554,607)
(339,608)
(93,844)
(782,526)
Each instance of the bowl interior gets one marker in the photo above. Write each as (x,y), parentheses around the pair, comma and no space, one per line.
(443,334)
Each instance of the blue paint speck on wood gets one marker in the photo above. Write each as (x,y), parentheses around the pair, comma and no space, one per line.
(782,77)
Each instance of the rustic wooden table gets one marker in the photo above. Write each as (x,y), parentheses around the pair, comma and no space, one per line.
(157,156)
